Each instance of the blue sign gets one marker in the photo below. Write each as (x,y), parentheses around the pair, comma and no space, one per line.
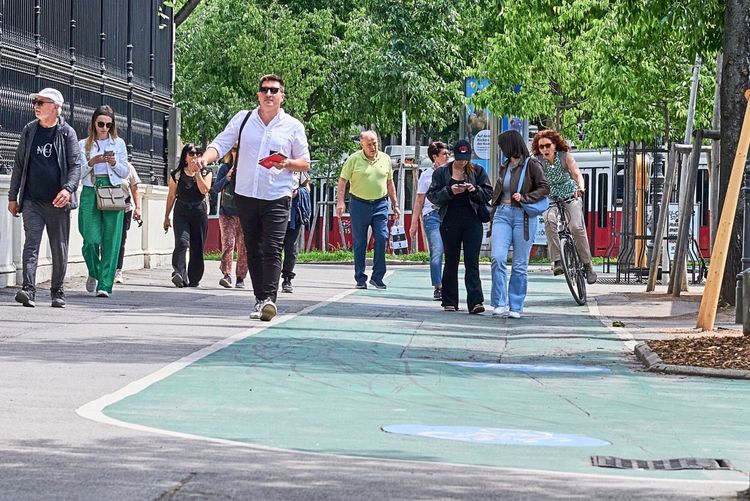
(496,436)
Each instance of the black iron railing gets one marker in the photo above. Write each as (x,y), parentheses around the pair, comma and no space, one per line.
(95,52)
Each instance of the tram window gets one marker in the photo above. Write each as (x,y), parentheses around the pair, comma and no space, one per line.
(701,196)
(619,186)
(602,195)
(586,182)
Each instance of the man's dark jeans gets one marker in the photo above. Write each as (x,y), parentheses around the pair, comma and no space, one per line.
(366,214)
(290,252)
(264,227)
(36,217)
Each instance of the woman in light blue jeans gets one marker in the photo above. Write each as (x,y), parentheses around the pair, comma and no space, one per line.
(512,226)
(430,216)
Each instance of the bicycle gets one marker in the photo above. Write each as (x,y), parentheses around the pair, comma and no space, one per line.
(575,273)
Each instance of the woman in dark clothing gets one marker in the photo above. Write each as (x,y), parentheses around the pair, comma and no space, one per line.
(511,225)
(188,185)
(462,192)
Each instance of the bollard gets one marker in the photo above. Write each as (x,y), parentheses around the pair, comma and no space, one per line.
(738,309)
(745,305)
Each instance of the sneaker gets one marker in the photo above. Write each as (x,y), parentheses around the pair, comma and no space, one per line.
(360,286)
(590,274)
(378,285)
(500,311)
(90,284)
(450,308)
(437,294)
(26,297)
(255,314)
(118,277)
(58,298)
(557,268)
(177,280)
(102,294)
(226,282)
(240,284)
(286,285)
(267,310)
(477,308)
(514,314)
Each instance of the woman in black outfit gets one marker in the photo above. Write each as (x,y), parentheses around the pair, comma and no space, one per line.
(462,191)
(188,185)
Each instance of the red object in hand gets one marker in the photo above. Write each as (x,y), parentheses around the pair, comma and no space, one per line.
(271,160)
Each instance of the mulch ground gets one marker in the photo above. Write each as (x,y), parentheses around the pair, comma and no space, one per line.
(720,352)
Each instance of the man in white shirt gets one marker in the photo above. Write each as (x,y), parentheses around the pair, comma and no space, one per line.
(263,195)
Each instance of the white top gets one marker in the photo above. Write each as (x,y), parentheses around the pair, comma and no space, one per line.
(117,173)
(425,179)
(132,179)
(284,134)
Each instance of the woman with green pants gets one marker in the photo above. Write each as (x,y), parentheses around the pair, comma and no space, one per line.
(105,163)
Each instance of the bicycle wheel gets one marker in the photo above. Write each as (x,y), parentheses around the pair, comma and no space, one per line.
(573,269)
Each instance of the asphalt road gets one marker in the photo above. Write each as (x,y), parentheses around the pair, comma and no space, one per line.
(55,362)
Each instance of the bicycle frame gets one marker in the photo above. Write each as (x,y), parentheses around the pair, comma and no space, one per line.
(575,274)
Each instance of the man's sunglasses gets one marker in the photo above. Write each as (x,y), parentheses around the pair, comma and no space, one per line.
(545,146)
(102,125)
(40,102)
(272,90)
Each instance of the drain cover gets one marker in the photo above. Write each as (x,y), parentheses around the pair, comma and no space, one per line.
(661,464)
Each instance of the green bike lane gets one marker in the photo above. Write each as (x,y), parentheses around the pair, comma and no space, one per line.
(545,392)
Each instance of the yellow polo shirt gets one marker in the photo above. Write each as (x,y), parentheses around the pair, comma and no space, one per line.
(367,179)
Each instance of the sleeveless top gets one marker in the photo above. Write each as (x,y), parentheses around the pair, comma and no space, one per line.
(561,185)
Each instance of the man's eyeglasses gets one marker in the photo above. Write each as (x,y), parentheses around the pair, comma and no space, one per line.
(545,146)
(39,102)
(272,90)
(103,125)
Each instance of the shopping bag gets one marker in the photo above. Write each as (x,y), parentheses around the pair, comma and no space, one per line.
(399,244)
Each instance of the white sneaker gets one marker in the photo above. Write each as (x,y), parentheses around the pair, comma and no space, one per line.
(500,311)
(90,284)
(514,314)
(102,294)
(267,310)
(255,314)
(118,277)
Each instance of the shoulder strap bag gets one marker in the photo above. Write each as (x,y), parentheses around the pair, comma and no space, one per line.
(533,209)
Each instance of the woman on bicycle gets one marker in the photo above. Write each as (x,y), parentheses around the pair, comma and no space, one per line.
(566,182)
(511,225)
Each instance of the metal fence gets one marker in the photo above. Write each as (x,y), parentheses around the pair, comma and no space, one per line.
(115,52)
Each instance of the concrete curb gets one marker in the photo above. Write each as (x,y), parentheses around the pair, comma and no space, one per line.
(653,363)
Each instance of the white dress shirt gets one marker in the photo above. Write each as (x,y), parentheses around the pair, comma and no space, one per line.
(284,134)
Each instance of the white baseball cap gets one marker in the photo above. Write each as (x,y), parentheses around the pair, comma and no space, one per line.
(53,95)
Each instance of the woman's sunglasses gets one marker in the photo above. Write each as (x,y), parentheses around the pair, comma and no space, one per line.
(103,125)
(194,153)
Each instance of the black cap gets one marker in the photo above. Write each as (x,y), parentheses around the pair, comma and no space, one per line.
(462,150)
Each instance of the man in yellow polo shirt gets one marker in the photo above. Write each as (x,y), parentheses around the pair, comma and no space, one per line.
(370,178)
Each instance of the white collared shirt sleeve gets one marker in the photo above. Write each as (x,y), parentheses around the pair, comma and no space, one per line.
(300,147)
(226,138)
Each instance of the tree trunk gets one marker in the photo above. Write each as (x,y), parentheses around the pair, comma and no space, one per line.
(736,67)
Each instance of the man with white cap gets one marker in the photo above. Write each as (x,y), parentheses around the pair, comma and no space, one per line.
(43,187)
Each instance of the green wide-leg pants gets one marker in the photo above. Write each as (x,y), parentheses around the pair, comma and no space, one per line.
(102,232)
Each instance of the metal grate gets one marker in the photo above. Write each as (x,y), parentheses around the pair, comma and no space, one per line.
(661,464)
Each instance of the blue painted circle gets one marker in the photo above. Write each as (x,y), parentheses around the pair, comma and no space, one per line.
(573,369)
(499,436)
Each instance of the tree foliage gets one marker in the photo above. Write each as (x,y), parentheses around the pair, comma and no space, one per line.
(610,72)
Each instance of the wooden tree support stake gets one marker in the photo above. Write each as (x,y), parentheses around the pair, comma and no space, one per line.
(710,299)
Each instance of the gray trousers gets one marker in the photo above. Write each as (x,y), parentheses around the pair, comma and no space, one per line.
(577,226)
(36,217)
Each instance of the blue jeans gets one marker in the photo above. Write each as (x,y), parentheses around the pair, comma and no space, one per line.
(366,214)
(507,230)
(435,243)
